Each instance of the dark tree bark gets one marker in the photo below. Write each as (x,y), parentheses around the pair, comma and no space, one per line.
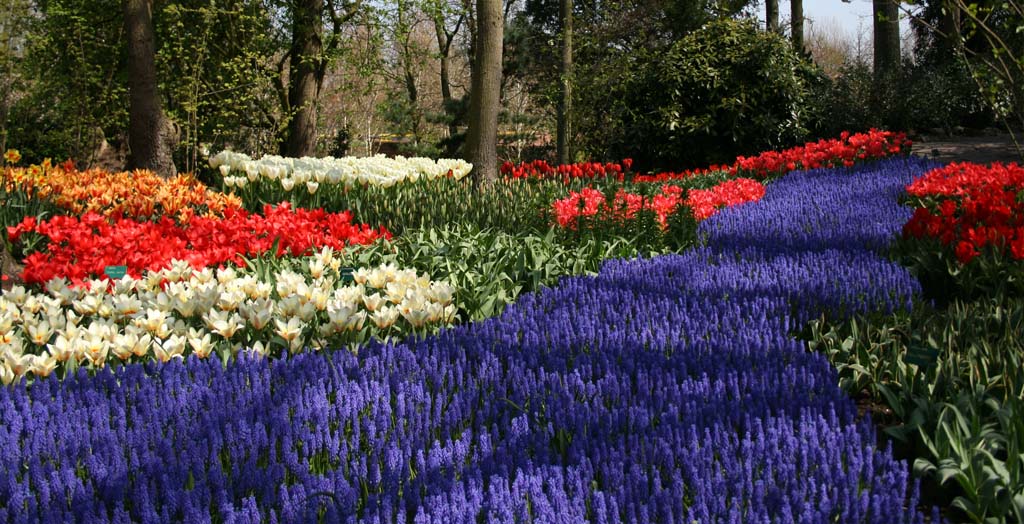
(411,91)
(796,11)
(771,15)
(151,135)
(564,148)
(307,66)
(444,45)
(886,37)
(303,86)
(949,27)
(485,97)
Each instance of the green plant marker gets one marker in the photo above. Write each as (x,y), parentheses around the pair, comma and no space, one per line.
(115,272)
(347,274)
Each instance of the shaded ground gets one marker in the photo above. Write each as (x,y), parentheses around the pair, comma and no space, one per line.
(978,149)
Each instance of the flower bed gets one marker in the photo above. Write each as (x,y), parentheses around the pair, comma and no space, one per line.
(181,311)
(138,194)
(970,208)
(666,389)
(540,170)
(347,171)
(83,247)
(590,202)
(703,203)
(847,150)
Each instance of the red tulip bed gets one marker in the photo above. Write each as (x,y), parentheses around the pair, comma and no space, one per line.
(971,208)
(81,247)
(846,150)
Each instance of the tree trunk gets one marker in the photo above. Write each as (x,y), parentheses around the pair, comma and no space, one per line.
(949,27)
(796,10)
(413,94)
(771,15)
(485,98)
(564,147)
(404,32)
(444,44)
(303,85)
(151,136)
(886,37)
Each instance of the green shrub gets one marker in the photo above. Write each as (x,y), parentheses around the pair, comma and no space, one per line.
(721,91)
(922,96)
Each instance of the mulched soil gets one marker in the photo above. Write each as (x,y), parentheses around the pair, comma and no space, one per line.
(977,149)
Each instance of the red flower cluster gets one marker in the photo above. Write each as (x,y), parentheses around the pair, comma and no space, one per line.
(846,151)
(704,202)
(969,206)
(707,202)
(589,202)
(682,175)
(540,170)
(83,247)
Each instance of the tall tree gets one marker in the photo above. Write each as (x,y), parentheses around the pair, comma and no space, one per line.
(445,38)
(771,15)
(308,60)
(886,37)
(796,11)
(303,82)
(485,93)
(151,135)
(565,100)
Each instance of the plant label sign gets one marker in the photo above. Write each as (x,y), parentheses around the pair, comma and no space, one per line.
(347,274)
(115,272)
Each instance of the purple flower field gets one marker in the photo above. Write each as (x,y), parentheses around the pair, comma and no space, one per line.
(662,390)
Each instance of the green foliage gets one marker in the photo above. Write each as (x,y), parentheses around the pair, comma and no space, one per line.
(944,279)
(510,206)
(922,96)
(215,75)
(213,63)
(721,91)
(610,41)
(490,268)
(954,381)
(13,30)
(75,61)
(993,37)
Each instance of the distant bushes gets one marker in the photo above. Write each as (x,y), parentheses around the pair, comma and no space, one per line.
(724,90)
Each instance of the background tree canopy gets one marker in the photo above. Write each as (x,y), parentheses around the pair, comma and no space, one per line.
(670,83)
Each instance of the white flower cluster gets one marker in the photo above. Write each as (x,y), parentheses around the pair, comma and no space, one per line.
(180,310)
(239,169)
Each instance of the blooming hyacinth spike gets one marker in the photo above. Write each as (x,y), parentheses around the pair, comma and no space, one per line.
(661,390)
